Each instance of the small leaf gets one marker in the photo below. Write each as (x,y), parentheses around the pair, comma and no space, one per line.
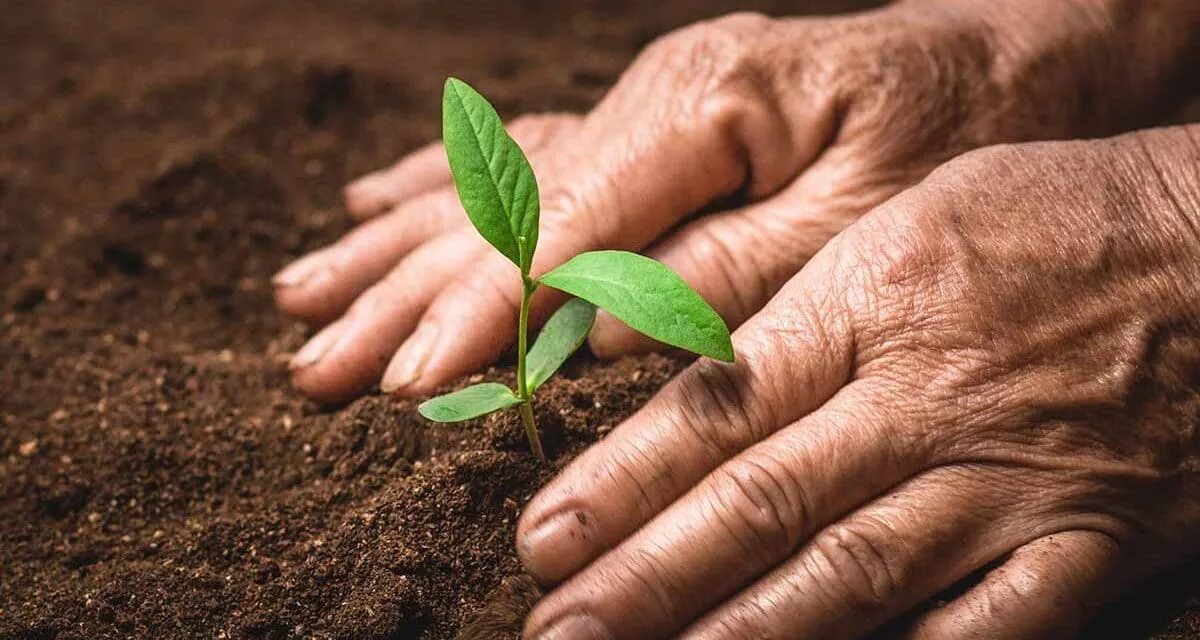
(470,402)
(562,334)
(646,295)
(494,180)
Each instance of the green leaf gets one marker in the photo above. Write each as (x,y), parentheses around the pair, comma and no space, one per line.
(470,402)
(646,295)
(562,334)
(494,180)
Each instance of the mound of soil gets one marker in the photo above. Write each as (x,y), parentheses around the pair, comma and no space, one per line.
(158,476)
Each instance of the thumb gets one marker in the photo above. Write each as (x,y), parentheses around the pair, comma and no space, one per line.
(696,118)
(737,260)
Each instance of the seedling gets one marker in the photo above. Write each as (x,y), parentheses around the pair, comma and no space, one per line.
(500,195)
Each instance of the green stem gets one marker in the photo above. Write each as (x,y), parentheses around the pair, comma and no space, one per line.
(527,288)
(535,443)
(523,337)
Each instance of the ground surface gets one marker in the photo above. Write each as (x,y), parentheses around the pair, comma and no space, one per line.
(158,477)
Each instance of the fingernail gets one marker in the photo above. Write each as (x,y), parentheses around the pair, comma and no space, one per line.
(406,367)
(558,545)
(299,271)
(576,627)
(317,347)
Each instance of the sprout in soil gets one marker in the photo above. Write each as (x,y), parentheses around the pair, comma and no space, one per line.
(500,195)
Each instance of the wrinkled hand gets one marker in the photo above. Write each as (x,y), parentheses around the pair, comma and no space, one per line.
(1001,364)
(814,121)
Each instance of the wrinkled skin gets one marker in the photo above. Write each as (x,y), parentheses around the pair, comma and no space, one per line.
(996,366)
(812,121)
(1001,364)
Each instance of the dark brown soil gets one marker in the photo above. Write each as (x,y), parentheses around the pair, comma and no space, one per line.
(158,476)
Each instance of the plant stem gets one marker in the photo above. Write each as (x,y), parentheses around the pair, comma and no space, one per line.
(523,338)
(535,442)
(531,432)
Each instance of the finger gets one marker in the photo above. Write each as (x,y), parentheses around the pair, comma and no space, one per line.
(321,285)
(876,563)
(1048,589)
(625,179)
(743,519)
(422,170)
(347,357)
(426,169)
(737,260)
(471,321)
(790,359)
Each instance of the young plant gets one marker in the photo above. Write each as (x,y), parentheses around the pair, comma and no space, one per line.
(500,195)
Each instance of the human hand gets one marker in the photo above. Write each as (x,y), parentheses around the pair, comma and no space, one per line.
(999,365)
(814,121)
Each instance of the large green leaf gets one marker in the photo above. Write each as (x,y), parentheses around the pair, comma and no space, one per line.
(495,182)
(470,402)
(562,334)
(646,295)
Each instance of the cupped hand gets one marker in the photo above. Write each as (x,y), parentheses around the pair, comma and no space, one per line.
(998,367)
(812,121)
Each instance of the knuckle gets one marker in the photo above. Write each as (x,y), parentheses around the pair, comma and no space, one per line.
(714,405)
(1018,585)
(535,130)
(421,217)
(716,60)
(528,124)
(908,91)
(857,565)
(903,248)
(723,77)
(383,297)
(746,22)
(659,588)
(569,217)
(746,278)
(493,289)
(711,41)
(708,247)
(910,277)
(981,166)
(760,503)
(748,619)
(640,468)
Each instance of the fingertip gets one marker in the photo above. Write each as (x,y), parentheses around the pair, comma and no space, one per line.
(323,394)
(553,542)
(342,362)
(325,383)
(299,271)
(332,384)
(307,288)
(315,302)
(405,372)
(318,384)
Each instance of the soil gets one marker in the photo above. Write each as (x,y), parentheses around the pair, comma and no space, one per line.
(158,476)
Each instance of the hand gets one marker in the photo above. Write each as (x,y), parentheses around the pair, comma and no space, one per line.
(999,365)
(814,121)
